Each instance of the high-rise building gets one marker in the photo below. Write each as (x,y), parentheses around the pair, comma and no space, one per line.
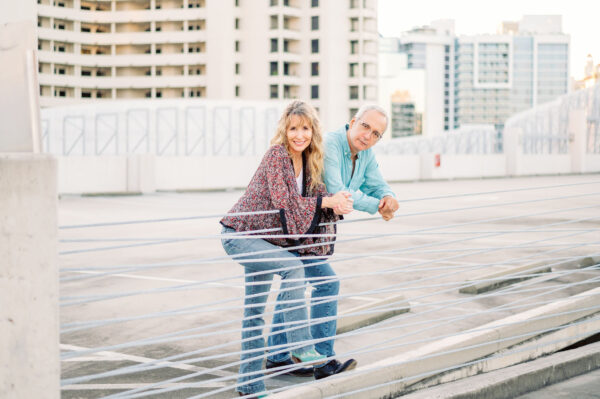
(499,75)
(428,50)
(483,79)
(323,51)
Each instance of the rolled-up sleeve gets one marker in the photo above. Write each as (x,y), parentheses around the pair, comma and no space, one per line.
(334,180)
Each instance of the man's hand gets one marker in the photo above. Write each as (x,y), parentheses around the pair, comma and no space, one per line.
(387,206)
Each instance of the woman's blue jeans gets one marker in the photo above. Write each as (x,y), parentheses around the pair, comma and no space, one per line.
(254,303)
(327,287)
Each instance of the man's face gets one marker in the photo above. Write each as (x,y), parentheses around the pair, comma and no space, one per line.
(365,131)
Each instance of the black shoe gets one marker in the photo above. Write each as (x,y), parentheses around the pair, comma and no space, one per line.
(301,372)
(334,367)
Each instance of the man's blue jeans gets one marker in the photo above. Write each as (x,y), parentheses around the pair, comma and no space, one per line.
(254,303)
(327,285)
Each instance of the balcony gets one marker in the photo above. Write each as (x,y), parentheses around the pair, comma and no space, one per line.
(122,59)
(122,82)
(169,14)
(120,38)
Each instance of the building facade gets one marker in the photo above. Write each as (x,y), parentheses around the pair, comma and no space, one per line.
(484,79)
(322,51)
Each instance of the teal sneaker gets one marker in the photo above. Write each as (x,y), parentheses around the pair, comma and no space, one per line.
(310,355)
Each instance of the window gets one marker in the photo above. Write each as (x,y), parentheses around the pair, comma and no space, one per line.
(86,94)
(353,3)
(148,94)
(62,93)
(237,3)
(273,68)
(286,69)
(314,69)
(158,50)
(237,23)
(273,3)
(274,91)
(158,29)
(353,69)
(237,46)
(61,71)
(237,68)
(158,72)
(61,49)
(314,46)
(85,29)
(86,73)
(353,46)
(314,92)
(314,22)
(158,94)
(286,45)
(237,91)
(274,45)
(353,92)
(274,22)
(353,24)
(314,3)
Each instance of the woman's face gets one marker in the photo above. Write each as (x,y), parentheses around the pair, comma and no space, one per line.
(299,134)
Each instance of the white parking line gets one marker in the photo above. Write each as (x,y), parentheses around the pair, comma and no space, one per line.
(116,356)
(423,260)
(171,280)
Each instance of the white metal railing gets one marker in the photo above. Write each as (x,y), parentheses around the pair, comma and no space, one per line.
(477,139)
(167,127)
(545,127)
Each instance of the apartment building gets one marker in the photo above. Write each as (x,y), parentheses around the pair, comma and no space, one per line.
(323,51)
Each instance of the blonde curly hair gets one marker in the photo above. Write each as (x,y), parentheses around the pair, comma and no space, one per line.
(314,152)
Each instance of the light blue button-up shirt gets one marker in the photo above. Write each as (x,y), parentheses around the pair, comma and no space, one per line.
(366,184)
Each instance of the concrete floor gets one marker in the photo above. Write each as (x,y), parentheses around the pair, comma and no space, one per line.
(585,386)
(431,248)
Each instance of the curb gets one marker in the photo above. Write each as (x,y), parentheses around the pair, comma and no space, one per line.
(392,306)
(520,379)
(391,376)
(520,273)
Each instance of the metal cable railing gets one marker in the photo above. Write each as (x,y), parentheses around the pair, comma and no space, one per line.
(550,256)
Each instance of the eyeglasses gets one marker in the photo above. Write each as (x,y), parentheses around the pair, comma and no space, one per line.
(372,133)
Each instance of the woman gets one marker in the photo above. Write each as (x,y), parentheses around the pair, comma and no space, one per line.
(288,179)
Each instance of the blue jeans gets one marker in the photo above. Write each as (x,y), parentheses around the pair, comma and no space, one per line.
(254,305)
(328,285)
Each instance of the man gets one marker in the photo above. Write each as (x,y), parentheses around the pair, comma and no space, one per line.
(350,166)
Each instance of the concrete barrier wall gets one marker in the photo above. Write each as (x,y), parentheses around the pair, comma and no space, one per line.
(149,173)
(204,173)
(544,165)
(400,167)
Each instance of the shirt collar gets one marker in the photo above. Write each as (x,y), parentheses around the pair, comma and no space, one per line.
(347,151)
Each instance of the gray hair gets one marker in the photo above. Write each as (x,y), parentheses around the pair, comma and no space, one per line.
(372,107)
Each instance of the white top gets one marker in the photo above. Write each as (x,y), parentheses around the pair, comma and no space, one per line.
(299,181)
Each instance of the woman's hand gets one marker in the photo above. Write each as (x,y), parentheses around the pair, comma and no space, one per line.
(340,202)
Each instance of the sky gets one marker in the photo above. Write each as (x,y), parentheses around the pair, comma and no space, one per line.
(580,19)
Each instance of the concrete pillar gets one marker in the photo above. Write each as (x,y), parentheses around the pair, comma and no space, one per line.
(141,173)
(29,324)
(577,140)
(513,150)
